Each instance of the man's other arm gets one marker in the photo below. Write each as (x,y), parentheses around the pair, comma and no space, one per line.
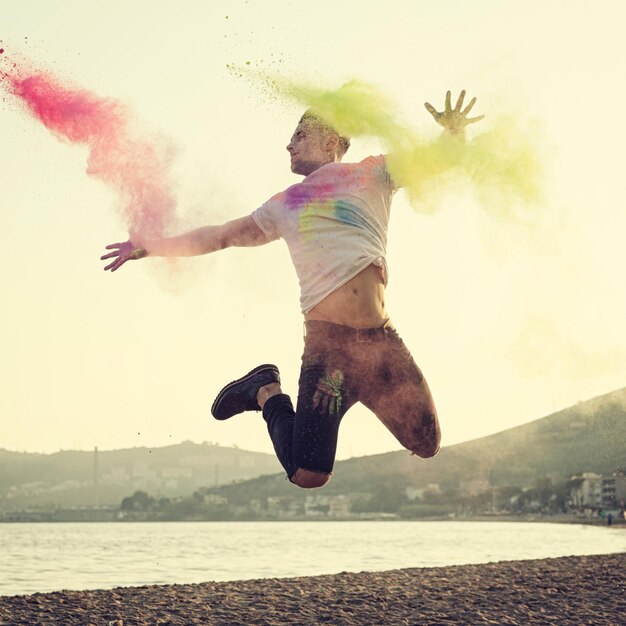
(241,232)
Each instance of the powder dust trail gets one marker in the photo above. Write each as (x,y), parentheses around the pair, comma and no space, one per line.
(503,162)
(135,164)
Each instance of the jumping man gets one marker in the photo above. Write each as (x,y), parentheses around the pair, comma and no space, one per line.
(334,223)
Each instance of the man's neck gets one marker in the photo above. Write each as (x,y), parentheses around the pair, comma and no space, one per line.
(316,166)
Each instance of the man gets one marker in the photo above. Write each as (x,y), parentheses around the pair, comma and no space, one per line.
(335,225)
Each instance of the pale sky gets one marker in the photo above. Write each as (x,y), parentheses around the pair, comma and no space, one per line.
(508,323)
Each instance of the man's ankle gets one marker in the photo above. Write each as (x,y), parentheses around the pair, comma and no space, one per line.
(266,392)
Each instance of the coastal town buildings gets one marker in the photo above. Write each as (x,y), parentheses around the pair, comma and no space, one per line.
(614,490)
(588,493)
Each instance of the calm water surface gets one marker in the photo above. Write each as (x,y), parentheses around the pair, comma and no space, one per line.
(51,557)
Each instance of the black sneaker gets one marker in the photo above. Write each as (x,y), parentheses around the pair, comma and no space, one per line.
(240,395)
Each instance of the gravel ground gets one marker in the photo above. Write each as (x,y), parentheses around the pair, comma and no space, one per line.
(588,590)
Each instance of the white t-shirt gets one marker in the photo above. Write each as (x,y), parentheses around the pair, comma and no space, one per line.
(334,223)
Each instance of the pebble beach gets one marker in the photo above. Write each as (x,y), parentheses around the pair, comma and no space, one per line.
(587,590)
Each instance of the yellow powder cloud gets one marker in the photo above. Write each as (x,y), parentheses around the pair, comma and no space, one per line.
(503,162)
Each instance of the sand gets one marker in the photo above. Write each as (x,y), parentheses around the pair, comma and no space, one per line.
(588,590)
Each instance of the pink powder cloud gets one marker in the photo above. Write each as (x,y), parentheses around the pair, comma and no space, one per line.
(135,164)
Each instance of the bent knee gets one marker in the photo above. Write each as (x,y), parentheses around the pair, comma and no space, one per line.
(426,451)
(308,479)
(426,438)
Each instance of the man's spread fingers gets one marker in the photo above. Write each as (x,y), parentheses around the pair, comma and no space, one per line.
(468,108)
(108,256)
(111,246)
(316,399)
(472,120)
(448,105)
(324,404)
(431,109)
(459,102)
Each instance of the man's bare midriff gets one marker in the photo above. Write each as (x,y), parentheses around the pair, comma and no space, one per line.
(359,303)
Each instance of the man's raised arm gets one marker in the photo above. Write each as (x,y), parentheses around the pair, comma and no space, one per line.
(240,232)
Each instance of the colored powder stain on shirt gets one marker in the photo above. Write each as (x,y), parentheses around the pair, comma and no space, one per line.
(300,195)
(310,216)
(332,210)
(349,214)
(318,187)
(337,211)
(328,181)
(316,196)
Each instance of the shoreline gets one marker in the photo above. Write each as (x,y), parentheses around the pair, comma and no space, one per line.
(565,590)
(548,519)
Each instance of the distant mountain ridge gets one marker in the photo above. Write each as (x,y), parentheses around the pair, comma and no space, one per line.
(68,478)
(590,436)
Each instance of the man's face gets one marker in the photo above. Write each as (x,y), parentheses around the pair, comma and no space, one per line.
(307,148)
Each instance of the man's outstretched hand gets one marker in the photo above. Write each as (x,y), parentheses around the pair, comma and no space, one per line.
(454,120)
(122,252)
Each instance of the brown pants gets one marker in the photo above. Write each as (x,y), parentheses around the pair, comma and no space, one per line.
(342,366)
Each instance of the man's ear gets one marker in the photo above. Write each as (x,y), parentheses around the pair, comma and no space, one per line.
(331,142)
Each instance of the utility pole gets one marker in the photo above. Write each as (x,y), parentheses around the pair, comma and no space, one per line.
(96,486)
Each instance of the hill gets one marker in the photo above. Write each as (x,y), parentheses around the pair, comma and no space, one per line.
(68,478)
(589,437)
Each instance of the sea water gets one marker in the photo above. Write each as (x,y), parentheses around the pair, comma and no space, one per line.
(42,557)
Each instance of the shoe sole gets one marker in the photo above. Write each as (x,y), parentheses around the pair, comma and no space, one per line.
(243,379)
